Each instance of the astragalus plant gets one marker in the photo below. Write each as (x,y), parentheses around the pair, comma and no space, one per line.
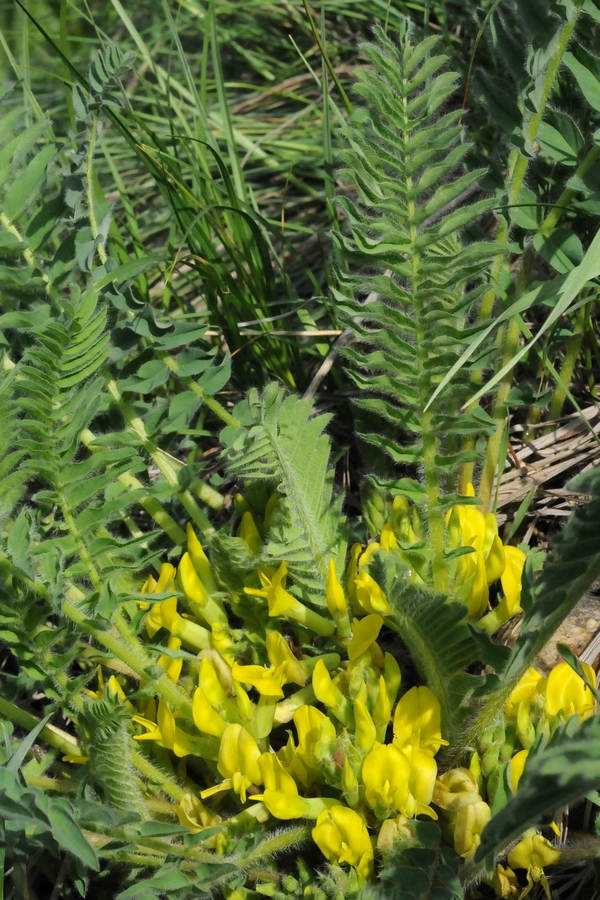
(267,707)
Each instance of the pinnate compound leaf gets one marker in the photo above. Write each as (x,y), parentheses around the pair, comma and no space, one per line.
(287,446)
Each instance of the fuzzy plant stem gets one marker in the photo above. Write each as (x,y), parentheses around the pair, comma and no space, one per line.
(275,844)
(509,336)
(133,655)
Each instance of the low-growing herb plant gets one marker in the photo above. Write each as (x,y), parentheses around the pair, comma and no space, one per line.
(240,689)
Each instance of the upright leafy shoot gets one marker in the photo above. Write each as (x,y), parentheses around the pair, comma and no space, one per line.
(404,166)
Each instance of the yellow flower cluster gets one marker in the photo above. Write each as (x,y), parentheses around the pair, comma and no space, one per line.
(490,561)
(360,759)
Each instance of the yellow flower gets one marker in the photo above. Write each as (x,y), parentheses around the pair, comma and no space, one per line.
(330,695)
(517,765)
(342,837)
(292,764)
(533,853)
(511,579)
(206,719)
(267,682)
(278,651)
(472,587)
(364,633)
(370,596)
(237,763)
(281,793)
(200,561)
(395,780)
(566,692)
(527,689)
(382,710)
(165,615)
(201,604)
(417,721)
(505,883)
(349,784)
(167,734)
(192,814)
(336,602)
(387,538)
(308,720)
(334,593)
(392,831)
(249,533)
(470,822)
(481,533)
(455,789)
(214,691)
(365,731)
(171,665)
(281,602)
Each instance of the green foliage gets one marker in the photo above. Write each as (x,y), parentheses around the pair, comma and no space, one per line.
(106,403)
(404,159)
(281,444)
(571,571)
(564,771)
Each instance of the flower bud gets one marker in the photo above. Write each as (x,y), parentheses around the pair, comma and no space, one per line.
(365,730)
(349,784)
(455,789)
(469,824)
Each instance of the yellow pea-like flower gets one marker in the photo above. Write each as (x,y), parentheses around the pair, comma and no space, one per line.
(334,593)
(528,688)
(250,534)
(421,782)
(165,615)
(382,710)
(281,602)
(516,767)
(201,604)
(455,789)
(387,538)
(567,693)
(469,824)
(278,651)
(308,721)
(268,682)
(200,561)
(192,814)
(167,734)
(365,732)
(534,853)
(215,693)
(417,721)
(342,837)
(281,795)
(349,784)
(370,595)
(512,577)
(385,775)
(237,762)
(336,602)
(206,719)
(171,665)
(330,695)
(364,633)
